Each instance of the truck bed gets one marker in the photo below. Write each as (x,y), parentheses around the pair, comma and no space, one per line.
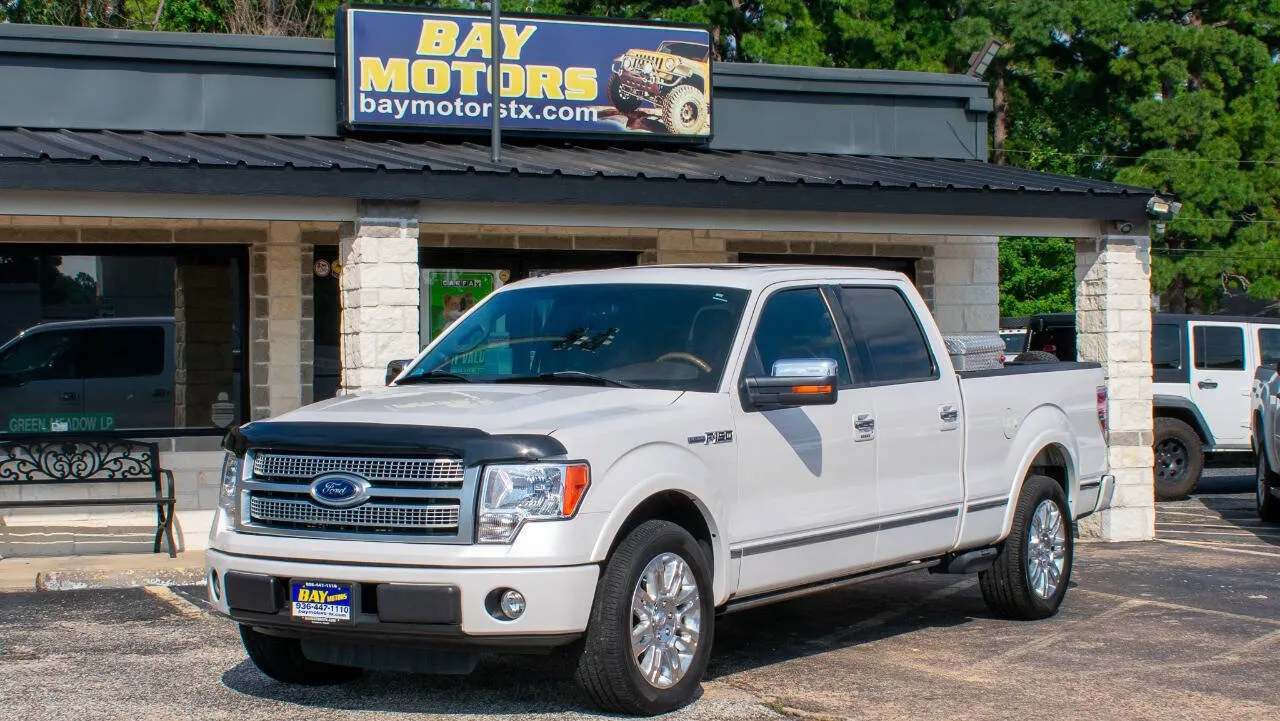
(1019,407)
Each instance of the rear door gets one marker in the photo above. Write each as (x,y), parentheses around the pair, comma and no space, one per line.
(127,378)
(1221,380)
(1268,338)
(918,468)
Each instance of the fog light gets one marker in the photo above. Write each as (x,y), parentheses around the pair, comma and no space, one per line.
(512,604)
(215,588)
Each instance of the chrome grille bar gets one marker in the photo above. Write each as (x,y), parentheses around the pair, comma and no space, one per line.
(370,515)
(393,470)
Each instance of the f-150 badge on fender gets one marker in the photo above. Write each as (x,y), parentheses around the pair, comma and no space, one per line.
(711,438)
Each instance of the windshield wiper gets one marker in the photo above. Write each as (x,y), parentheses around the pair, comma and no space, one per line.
(568,377)
(433,377)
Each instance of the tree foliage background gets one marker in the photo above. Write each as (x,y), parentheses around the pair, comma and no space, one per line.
(1181,96)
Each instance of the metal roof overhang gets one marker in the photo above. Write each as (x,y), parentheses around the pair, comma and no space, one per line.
(676,177)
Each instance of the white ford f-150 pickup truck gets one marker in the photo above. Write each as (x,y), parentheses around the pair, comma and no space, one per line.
(602,462)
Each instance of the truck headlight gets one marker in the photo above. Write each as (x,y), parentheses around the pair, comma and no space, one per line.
(231,466)
(513,494)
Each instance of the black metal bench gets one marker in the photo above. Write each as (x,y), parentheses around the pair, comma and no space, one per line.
(68,460)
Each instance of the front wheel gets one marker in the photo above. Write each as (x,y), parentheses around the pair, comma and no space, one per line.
(1268,505)
(684,110)
(282,659)
(1033,566)
(649,637)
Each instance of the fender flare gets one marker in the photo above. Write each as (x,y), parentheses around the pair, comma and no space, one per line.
(1185,404)
(1054,430)
(689,477)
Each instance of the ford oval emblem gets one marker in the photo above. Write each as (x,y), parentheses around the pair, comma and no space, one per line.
(339,490)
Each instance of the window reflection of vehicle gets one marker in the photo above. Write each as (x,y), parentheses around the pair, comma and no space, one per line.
(647,335)
(120,367)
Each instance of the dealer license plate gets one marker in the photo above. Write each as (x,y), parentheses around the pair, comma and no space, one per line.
(321,601)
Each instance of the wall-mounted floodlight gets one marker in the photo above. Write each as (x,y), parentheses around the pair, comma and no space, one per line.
(982,59)
(1160,209)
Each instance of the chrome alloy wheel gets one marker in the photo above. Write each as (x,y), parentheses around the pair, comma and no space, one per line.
(666,620)
(1046,549)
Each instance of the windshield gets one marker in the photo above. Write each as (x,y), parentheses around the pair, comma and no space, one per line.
(674,337)
(692,51)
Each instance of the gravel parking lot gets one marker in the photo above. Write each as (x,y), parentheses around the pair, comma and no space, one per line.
(1187,627)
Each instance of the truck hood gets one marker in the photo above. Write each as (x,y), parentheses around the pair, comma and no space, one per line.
(493,408)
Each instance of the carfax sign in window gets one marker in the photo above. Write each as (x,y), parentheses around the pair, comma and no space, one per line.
(420,69)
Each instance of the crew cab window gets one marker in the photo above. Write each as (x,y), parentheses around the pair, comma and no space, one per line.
(1219,347)
(122,352)
(1166,346)
(884,323)
(795,324)
(1269,345)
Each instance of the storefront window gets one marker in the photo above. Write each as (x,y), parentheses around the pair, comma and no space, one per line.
(125,339)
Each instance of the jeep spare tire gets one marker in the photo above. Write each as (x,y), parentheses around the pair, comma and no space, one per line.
(684,110)
(624,103)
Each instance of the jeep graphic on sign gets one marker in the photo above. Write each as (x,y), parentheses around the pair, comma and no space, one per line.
(674,79)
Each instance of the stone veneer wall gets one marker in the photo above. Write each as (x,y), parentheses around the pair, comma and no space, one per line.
(957,275)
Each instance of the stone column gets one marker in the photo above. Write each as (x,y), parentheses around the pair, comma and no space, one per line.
(1113,325)
(378,254)
(284,316)
(202,326)
(966,284)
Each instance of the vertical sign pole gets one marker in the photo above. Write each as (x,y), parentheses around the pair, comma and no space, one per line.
(495,70)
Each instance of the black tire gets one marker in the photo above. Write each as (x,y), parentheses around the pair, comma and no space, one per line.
(1267,504)
(606,668)
(281,659)
(1035,356)
(684,110)
(1179,459)
(624,103)
(1007,586)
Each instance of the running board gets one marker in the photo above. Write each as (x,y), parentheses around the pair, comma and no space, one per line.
(967,562)
(785,594)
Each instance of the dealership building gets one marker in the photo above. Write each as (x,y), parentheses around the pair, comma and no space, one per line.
(229,189)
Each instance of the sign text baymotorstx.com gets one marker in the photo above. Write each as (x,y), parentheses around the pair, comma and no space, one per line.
(406,68)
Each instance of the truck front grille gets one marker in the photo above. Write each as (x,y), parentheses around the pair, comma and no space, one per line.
(423,499)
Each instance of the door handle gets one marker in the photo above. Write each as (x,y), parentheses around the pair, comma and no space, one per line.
(1207,384)
(949,414)
(864,427)
(69,395)
(160,393)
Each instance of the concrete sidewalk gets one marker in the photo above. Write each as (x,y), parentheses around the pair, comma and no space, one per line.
(123,570)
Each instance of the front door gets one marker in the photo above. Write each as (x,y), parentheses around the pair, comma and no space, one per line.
(807,494)
(1221,381)
(39,385)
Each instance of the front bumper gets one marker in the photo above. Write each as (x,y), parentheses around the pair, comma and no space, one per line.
(558,600)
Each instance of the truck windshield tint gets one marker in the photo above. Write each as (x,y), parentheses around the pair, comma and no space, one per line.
(674,337)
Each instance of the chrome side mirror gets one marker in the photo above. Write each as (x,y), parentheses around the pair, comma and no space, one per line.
(795,382)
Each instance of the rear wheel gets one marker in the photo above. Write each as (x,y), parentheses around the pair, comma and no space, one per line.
(282,659)
(649,637)
(1033,566)
(1268,505)
(1179,457)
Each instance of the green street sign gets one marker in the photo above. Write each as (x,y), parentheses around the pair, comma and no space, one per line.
(62,423)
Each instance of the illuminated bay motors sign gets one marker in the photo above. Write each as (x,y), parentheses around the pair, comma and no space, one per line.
(404,69)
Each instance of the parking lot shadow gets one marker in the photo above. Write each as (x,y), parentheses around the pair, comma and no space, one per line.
(1238,515)
(523,685)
